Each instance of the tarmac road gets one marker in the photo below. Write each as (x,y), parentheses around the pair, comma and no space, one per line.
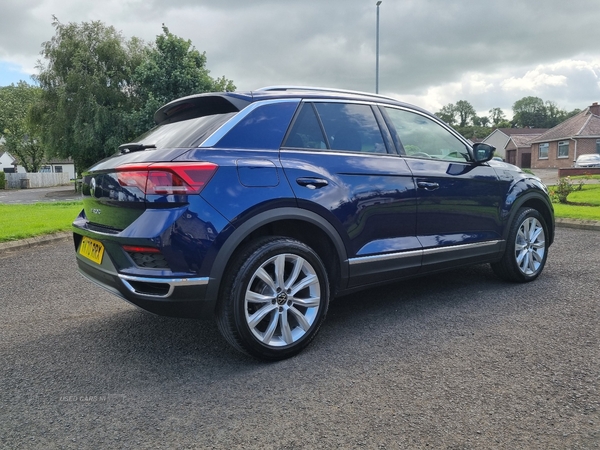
(49,194)
(458,360)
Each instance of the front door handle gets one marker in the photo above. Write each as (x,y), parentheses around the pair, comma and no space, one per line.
(312,183)
(428,186)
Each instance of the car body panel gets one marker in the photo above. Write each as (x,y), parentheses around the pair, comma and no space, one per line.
(372,212)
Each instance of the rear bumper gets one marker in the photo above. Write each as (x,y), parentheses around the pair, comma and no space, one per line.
(174,297)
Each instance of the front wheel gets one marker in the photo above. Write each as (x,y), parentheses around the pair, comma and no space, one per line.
(527,248)
(275,296)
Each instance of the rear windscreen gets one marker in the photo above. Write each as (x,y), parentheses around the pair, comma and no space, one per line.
(184,134)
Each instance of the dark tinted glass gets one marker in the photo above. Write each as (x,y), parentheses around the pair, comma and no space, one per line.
(306,131)
(184,134)
(262,128)
(351,127)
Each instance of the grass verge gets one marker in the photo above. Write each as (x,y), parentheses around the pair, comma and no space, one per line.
(583,204)
(26,221)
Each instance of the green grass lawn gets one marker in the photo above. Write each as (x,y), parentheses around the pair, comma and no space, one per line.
(584,204)
(25,221)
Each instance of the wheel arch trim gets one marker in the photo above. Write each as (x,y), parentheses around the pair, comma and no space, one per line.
(243,230)
(521,201)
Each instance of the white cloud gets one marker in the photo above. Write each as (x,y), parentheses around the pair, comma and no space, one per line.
(533,80)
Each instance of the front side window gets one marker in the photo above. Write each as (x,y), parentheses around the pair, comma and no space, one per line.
(422,137)
(543,153)
(336,126)
(563,149)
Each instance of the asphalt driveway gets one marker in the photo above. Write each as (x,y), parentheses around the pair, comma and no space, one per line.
(458,360)
(50,194)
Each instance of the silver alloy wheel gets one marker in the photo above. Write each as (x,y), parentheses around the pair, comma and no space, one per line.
(530,246)
(282,300)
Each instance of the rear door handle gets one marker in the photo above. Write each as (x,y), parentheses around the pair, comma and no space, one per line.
(312,183)
(428,186)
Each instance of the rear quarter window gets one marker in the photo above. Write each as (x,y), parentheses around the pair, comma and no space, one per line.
(262,128)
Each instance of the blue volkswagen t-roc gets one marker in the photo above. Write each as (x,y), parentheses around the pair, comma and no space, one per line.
(259,207)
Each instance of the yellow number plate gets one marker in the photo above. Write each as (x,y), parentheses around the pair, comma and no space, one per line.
(91,249)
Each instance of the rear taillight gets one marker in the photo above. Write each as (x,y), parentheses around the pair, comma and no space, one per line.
(167,178)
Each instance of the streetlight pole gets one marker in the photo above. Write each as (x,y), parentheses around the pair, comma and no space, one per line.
(377,52)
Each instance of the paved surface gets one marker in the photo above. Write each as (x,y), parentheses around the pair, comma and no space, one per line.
(458,360)
(51,194)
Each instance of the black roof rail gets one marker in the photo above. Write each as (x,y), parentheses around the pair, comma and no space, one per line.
(322,89)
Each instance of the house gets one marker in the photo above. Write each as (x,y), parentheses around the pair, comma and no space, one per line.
(500,138)
(59,166)
(518,149)
(559,147)
(8,163)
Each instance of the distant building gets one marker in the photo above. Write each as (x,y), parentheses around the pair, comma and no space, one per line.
(59,166)
(8,163)
(559,147)
(500,138)
(518,149)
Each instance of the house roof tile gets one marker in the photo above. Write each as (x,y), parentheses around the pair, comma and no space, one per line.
(524,140)
(584,124)
(513,131)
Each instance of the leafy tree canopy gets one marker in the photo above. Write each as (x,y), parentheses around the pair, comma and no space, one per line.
(536,113)
(462,110)
(100,89)
(170,69)
(21,137)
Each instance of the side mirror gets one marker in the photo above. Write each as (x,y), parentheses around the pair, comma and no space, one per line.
(483,152)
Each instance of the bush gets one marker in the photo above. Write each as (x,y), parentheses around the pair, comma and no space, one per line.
(2,180)
(561,191)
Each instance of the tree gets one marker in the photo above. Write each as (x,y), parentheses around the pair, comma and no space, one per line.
(21,136)
(554,114)
(172,68)
(465,112)
(85,90)
(100,90)
(447,114)
(480,121)
(496,116)
(529,112)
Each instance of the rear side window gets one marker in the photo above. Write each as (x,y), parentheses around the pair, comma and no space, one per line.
(337,126)
(262,128)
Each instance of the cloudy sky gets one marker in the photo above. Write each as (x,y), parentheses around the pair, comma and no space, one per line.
(432,52)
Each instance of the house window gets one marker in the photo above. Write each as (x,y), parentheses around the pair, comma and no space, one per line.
(597,145)
(57,169)
(544,151)
(563,149)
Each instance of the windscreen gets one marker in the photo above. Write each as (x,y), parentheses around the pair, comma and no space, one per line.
(184,134)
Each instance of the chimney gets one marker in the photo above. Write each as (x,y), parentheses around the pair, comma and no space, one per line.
(595,109)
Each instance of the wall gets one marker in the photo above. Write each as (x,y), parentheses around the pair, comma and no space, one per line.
(573,172)
(552,162)
(37,180)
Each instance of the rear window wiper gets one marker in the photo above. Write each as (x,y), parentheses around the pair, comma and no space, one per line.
(134,147)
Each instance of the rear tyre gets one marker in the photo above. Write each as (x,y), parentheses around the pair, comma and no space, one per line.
(274,298)
(527,248)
